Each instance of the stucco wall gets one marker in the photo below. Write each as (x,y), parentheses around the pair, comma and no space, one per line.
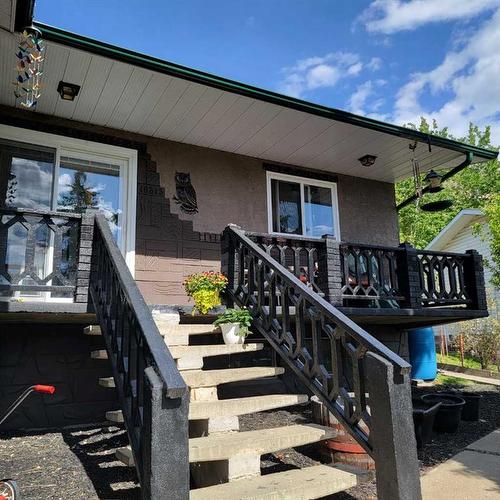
(230,188)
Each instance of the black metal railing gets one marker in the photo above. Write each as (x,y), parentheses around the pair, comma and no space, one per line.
(152,393)
(355,376)
(38,251)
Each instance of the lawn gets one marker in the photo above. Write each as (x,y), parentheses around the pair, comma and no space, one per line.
(454,359)
(450,380)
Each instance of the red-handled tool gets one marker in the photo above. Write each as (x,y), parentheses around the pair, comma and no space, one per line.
(43,389)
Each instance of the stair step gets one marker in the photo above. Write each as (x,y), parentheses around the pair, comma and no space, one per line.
(100,354)
(300,484)
(212,378)
(115,416)
(92,330)
(108,382)
(259,442)
(125,455)
(195,329)
(180,351)
(242,406)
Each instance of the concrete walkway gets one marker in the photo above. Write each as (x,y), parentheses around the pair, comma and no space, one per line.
(472,474)
(474,378)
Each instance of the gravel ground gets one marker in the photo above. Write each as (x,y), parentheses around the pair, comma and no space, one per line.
(80,464)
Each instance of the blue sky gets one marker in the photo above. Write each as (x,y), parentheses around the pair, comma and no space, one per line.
(393,60)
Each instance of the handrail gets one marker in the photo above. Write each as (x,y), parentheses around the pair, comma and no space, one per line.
(173,382)
(361,367)
(151,390)
(41,212)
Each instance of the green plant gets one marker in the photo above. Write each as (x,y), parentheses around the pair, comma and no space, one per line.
(240,316)
(205,289)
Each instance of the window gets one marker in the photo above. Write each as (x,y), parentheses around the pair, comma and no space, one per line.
(302,206)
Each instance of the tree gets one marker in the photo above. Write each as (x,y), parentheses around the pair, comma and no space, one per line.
(482,339)
(80,196)
(477,186)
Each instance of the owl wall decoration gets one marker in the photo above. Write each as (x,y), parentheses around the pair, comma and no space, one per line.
(185,195)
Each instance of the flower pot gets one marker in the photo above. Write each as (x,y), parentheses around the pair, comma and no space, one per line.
(230,333)
(449,413)
(470,412)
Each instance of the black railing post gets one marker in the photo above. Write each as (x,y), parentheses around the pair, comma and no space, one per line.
(474,280)
(165,435)
(329,278)
(392,435)
(228,267)
(409,276)
(84,256)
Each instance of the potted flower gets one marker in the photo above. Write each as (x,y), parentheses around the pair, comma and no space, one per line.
(234,324)
(205,289)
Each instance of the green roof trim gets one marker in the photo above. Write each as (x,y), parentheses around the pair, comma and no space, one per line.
(67,38)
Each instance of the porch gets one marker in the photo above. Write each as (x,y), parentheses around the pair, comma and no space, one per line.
(45,267)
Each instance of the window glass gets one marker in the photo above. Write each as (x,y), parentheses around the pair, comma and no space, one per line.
(86,184)
(286,205)
(318,210)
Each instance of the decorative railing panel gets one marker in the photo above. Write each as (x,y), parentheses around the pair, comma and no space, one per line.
(339,370)
(152,393)
(370,273)
(38,251)
(442,278)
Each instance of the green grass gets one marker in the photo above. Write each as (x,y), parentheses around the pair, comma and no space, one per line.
(450,380)
(454,359)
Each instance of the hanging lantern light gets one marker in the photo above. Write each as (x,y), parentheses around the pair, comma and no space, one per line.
(29,67)
(433,180)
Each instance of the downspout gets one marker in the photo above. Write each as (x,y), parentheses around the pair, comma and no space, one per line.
(469,156)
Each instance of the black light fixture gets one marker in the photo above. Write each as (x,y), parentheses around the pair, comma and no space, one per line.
(367,160)
(68,91)
(433,180)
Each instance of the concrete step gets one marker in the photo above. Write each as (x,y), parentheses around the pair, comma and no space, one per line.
(255,443)
(115,416)
(297,484)
(125,455)
(204,351)
(212,378)
(92,330)
(108,382)
(242,406)
(100,354)
(179,334)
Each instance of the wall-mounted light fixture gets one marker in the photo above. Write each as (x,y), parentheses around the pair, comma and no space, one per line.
(433,180)
(68,91)
(367,160)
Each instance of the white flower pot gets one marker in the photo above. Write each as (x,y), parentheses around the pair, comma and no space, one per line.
(230,333)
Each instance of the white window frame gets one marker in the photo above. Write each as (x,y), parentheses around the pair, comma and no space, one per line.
(302,181)
(68,146)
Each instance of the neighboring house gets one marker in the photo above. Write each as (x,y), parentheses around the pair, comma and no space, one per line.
(469,229)
(167,157)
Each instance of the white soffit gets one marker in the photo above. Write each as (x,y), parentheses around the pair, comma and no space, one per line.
(126,97)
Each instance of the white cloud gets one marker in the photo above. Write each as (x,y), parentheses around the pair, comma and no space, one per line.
(390,16)
(470,75)
(319,72)
(375,64)
(364,101)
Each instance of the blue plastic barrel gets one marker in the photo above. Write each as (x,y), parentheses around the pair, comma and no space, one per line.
(422,354)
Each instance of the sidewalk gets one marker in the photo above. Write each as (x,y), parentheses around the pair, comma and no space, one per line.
(472,474)
(475,378)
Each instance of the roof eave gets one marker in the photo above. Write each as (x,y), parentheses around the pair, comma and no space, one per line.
(142,60)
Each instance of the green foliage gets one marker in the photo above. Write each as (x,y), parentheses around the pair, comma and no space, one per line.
(205,289)
(482,339)
(477,186)
(80,196)
(240,316)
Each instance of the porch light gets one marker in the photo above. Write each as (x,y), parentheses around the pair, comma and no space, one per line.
(68,91)
(367,160)
(433,180)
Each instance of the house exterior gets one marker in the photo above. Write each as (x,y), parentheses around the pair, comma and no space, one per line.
(124,179)
(469,229)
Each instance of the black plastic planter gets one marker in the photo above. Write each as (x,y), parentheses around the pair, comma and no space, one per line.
(449,413)
(470,412)
(423,420)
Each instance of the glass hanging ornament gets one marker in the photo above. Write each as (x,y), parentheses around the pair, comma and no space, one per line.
(416,173)
(29,67)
